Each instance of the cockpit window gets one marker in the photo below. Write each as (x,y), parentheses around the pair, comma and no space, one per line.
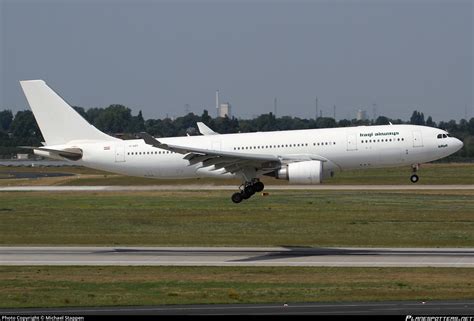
(440,136)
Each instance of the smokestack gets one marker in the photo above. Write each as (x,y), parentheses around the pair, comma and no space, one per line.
(217,102)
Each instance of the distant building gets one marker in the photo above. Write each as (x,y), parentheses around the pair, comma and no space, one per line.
(361,115)
(225,110)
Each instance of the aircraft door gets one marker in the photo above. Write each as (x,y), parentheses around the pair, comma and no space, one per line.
(351,142)
(119,153)
(417,139)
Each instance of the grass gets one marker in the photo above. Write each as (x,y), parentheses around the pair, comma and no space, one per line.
(209,218)
(285,218)
(438,173)
(107,286)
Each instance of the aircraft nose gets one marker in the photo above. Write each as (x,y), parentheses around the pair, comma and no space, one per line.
(458,143)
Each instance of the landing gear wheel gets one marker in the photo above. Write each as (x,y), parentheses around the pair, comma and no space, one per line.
(245,195)
(258,186)
(249,189)
(414,178)
(237,198)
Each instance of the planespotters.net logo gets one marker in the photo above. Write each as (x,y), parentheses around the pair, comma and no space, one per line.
(439,318)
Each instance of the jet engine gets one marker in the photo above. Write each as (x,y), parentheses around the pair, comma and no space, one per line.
(307,172)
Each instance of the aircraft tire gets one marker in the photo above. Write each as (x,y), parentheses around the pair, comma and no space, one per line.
(258,187)
(249,189)
(237,198)
(245,195)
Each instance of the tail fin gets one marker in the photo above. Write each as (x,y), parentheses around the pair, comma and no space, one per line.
(59,123)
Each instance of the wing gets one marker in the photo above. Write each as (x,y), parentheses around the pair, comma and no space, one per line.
(231,162)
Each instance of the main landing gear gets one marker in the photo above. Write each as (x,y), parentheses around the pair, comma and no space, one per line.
(414,178)
(247,190)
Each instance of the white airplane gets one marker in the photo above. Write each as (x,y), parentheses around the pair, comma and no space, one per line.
(299,156)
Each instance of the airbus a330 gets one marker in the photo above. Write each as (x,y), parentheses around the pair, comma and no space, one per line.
(299,156)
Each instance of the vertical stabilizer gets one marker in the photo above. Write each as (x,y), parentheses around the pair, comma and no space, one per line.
(59,123)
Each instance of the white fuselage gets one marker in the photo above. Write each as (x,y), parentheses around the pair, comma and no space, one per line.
(344,148)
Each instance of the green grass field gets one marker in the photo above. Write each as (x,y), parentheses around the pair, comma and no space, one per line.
(106,286)
(209,218)
(438,173)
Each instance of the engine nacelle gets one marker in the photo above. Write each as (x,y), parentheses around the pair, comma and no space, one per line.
(308,172)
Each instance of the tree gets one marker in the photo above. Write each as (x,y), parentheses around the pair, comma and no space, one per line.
(344,123)
(114,119)
(430,122)
(6,118)
(265,122)
(93,114)
(417,118)
(183,123)
(382,120)
(81,111)
(471,126)
(24,125)
(325,122)
(205,118)
(137,124)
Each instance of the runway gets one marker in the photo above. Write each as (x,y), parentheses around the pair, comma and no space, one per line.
(238,256)
(231,188)
(348,308)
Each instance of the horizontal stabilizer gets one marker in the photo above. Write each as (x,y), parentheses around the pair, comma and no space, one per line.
(68,153)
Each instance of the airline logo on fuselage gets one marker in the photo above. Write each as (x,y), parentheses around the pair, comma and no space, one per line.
(379,134)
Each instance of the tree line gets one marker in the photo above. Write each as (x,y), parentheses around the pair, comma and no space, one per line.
(21,129)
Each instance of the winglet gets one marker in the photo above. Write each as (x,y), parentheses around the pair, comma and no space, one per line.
(205,130)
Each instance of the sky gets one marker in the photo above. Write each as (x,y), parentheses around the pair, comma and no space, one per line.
(158,56)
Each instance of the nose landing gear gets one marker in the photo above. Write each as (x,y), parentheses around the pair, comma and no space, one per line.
(247,190)
(414,178)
